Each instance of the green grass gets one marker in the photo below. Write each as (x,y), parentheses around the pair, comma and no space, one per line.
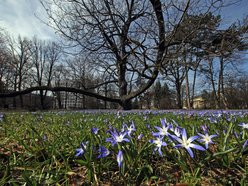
(39,149)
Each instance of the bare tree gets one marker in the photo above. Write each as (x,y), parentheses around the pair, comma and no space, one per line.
(224,52)
(120,37)
(4,58)
(60,75)
(44,58)
(127,41)
(5,68)
(19,64)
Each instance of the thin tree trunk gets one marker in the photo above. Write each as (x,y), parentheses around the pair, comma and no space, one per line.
(194,81)
(193,89)
(58,97)
(221,90)
(42,100)
(219,84)
(216,99)
(19,89)
(76,100)
(105,91)
(84,102)
(15,89)
(187,89)
(179,98)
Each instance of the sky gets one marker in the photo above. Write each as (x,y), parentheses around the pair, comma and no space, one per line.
(234,12)
(19,17)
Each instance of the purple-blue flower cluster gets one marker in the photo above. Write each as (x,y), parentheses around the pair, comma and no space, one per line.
(178,136)
(161,138)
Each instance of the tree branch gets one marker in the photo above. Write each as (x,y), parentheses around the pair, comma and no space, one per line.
(58,89)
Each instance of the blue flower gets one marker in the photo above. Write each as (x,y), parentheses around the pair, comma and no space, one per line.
(245,144)
(204,128)
(129,129)
(1,117)
(117,137)
(118,114)
(163,131)
(80,151)
(213,119)
(159,143)
(140,136)
(103,152)
(177,131)
(187,143)
(94,130)
(235,134)
(206,139)
(244,125)
(119,158)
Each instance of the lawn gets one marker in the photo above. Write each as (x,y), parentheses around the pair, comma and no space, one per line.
(124,148)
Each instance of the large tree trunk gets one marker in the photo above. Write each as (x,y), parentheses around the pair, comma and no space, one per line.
(123,86)
(126,105)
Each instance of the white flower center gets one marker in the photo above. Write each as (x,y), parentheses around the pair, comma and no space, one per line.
(245,126)
(185,143)
(119,138)
(207,139)
(164,131)
(158,142)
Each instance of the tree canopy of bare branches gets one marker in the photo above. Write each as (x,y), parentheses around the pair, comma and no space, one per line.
(126,44)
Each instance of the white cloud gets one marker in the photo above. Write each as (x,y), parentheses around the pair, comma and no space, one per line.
(18,17)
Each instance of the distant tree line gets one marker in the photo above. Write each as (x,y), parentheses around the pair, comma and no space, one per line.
(129,54)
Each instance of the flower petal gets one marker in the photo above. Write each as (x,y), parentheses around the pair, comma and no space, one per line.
(79,152)
(190,152)
(198,147)
(176,138)
(178,145)
(119,158)
(184,134)
(192,138)
(160,152)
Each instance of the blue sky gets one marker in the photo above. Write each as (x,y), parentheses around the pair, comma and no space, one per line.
(20,17)
(234,12)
